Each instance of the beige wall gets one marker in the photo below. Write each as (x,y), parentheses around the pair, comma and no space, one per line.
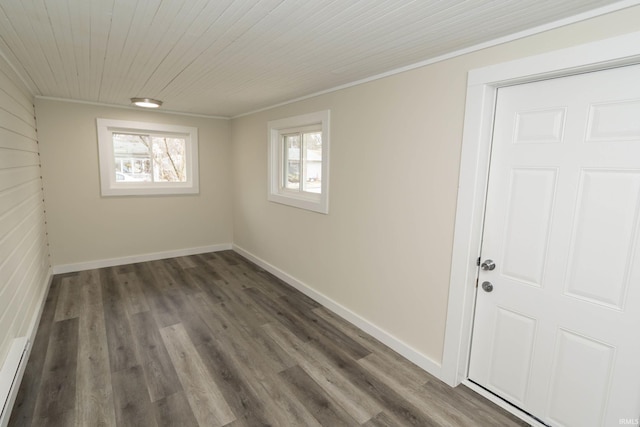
(384,250)
(85,227)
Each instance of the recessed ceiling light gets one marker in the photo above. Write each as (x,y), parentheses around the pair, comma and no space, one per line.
(146,102)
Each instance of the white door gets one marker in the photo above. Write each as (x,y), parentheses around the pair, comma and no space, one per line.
(559,334)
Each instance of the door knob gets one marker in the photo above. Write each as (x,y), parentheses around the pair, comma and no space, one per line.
(488,265)
(487,286)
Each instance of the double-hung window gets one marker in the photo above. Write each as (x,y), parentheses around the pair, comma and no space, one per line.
(299,161)
(147,158)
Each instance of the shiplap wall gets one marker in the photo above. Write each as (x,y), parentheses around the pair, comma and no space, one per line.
(24,254)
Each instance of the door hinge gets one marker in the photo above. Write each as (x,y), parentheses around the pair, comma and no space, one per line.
(478,262)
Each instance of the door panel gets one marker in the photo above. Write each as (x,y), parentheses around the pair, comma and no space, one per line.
(575,398)
(527,225)
(540,127)
(558,335)
(511,326)
(604,219)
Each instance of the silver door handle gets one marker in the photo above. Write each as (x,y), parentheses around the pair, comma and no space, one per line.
(488,265)
(487,286)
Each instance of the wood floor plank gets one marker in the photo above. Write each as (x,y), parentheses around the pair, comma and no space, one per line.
(172,408)
(413,392)
(204,396)
(202,261)
(247,405)
(132,404)
(122,353)
(159,372)
(271,400)
(203,279)
(321,326)
(393,403)
(178,275)
(356,403)
(320,404)
(130,288)
(286,317)
(400,373)
(228,257)
(57,392)
(239,391)
(94,392)
(232,271)
(69,300)
(285,407)
(483,412)
(151,278)
(368,341)
(240,302)
(273,358)
(164,279)
(381,420)
(186,262)
(161,295)
(305,325)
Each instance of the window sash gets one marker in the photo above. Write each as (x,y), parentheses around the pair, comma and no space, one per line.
(312,196)
(156,184)
(301,159)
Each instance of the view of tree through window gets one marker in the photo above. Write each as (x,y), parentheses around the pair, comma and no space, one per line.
(303,158)
(149,158)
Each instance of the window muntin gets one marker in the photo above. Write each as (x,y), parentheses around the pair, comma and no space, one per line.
(298,161)
(147,158)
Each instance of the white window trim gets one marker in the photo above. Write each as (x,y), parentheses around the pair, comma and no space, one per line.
(276,193)
(108,184)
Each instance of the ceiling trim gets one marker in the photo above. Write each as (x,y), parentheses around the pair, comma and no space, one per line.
(126,107)
(624,4)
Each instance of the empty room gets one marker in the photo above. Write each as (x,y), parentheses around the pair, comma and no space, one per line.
(319,213)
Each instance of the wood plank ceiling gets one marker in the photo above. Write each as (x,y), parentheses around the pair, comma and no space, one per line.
(227,57)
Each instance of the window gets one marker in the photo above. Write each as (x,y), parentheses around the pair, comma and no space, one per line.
(299,161)
(147,158)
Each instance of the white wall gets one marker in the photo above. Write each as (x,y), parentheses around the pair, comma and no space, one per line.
(85,228)
(384,250)
(24,256)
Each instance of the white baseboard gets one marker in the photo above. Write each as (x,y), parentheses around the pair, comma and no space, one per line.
(111,262)
(424,362)
(16,361)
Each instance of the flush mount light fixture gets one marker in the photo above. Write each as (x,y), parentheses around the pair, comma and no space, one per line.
(146,102)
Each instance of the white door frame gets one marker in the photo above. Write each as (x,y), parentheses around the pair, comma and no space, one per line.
(482,87)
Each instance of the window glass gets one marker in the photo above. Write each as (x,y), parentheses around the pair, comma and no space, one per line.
(147,158)
(169,159)
(299,161)
(312,161)
(291,154)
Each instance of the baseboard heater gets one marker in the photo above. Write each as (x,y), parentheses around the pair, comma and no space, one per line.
(11,375)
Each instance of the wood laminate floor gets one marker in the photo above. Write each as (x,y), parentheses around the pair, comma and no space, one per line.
(214,340)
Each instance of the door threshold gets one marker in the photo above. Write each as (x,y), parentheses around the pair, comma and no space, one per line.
(512,409)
